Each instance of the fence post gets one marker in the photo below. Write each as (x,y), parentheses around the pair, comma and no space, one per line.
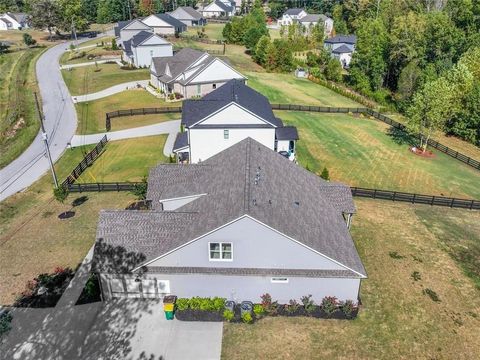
(375,193)
(413,200)
(471,204)
(433,200)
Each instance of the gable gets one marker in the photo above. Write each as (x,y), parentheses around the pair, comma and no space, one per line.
(154,21)
(254,246)
(216,70)
(155,40)
(213,7)
(233,115)
(180,13)
(136,25)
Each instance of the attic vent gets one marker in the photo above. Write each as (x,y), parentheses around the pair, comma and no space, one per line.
(297,203)
(254,202)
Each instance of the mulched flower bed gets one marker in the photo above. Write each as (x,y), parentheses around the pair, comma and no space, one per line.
(198,315)
(46,289)
(91,291)
(420,152)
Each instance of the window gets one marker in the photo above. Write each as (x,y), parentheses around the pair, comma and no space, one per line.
(279,280)
(151,52)
(199,89)
(214,86)
(220,251)
(226,134)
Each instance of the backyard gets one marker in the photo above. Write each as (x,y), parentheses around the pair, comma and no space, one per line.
(90,79)
(363,152)
(91,115)
(396,318)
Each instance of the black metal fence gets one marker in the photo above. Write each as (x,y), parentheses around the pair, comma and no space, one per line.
(85,163)
(416,198)
(141,111)
(202,40)
(323,109)
(97,187)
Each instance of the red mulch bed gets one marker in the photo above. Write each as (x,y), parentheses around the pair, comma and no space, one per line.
(420,152)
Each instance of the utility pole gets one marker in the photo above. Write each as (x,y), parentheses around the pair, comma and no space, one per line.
(45,141)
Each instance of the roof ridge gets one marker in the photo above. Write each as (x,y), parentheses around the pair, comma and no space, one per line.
(246,195)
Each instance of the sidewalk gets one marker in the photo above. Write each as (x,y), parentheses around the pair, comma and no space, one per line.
(110,91)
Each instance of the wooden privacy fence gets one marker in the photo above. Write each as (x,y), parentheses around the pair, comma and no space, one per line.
(85,163)
(311,108)
(356,191)
(416,198)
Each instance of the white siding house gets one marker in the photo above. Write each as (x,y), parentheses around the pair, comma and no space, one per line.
(13,21)
(290,16)
(342,48)
(144,46)
(125,30)
(165,24)
(227,116)
(218,8)
(189,16)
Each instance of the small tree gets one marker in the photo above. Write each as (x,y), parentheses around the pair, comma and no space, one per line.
(28,40)
(333,70)
(114,45)
(140,189)
(60,194)
(3,47)
(325,175)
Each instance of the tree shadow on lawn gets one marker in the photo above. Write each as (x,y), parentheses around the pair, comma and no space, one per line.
(402,137)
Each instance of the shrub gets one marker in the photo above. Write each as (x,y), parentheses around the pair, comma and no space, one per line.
(325,175)
(5,323)
(114,45)
(228,315)
(395,255)
(329,304)
(218,303)
(416,276)
(140,189)
(269,306)
(247,318)
(432,294)
(258,310)
(60,194)
(194,303)
(182,304)
(348,307)
(308,303)
(292,306)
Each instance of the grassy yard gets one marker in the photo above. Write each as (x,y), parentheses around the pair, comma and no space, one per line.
(212,30)
(127,160)
(73,57)
(285,89)
(16,37)
(85,80)
(396,320)
(91,115)
(362,152)
(18,118)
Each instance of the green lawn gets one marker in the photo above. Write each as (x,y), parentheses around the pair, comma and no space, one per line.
(127,160)
(285,89)
(73,57)
(18,117)
(212,30)
(396,319)
(91,115)
(360,152)
(85,80)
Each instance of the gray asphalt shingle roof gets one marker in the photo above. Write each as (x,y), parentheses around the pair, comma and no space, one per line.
(190,12)
(347,39)
(313,18)
(342,50)
(178,63)
(286,197)
(177,24)
(233,91)
(293,11)
(181,141)
(286,133)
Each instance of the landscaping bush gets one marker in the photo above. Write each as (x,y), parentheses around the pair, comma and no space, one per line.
(292,306)
(431,294)
(247,318)
(348,307)
(228,315)
(269,306)
(258,310)
(91,291)
(182,304)
(308,304)
(329,304)
(5,323)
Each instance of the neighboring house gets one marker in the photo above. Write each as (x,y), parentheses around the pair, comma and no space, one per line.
(219,8)
(125,30)
(243,223)
(226,116)
(141,48)
(290,15)
(190,73)
(165,24)
(312,20)
(342,48)
(13,21)
(189,16)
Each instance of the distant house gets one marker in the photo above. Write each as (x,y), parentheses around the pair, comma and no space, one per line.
(226,116)
(189,16)
(13,21)
(219,8)
(312,20)
(125,30)
(190,73)
(243,223)
(290,15)
(141,48)
(165,24)
(342,48)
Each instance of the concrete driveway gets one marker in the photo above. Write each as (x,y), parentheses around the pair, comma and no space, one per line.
(127,329)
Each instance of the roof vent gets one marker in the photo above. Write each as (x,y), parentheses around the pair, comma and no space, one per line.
(254,202)
(297,203)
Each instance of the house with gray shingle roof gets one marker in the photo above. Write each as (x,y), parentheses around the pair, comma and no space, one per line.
(243,223)
(189,16)
(342,48)
(226,116)
(290,15)
(190,73)
(219,8)
(13,21)
(142,47)
(165,24)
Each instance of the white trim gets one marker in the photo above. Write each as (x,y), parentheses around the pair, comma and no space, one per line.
(279,280)
(223,108)
(261,223)
(206,67)
(183,197)
(220,243)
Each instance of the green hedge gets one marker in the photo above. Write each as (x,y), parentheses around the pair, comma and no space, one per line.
(199,303)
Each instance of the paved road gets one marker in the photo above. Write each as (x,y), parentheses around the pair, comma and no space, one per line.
(110,91)
(60,124)
(168,127)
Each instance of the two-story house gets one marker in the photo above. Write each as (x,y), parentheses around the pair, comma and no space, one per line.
(13,21)
(125,30)
(342,48)
(189,16)
(311,20)
(190,73)
(243,223)
(141,48)
(290,16)
(227,116)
